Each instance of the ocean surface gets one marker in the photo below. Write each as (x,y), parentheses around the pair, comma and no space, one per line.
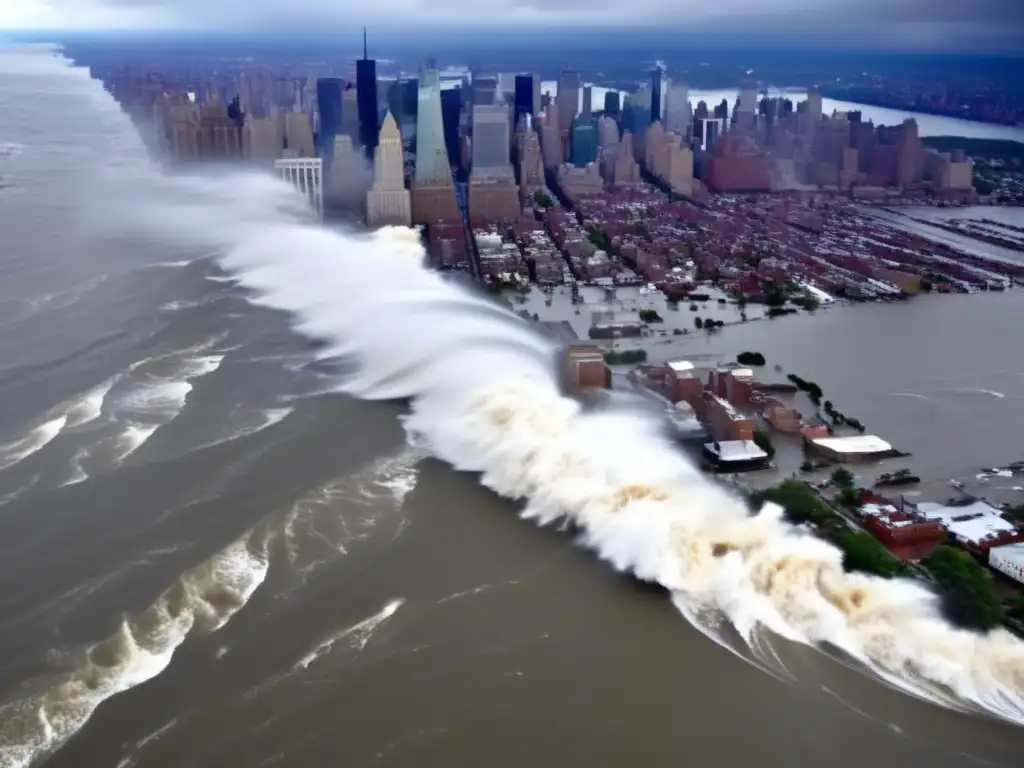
(262,492)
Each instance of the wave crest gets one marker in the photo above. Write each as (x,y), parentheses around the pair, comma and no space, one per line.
(485,398)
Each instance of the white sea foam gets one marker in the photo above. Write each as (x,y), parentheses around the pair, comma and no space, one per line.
(153,401)
(268,418)
(978,391)
(9,497)
(355,637)
(485,398)
(909,394)
(89,407)
(323,525)
(78,473)
(130,439)
(36,439)
(202,599)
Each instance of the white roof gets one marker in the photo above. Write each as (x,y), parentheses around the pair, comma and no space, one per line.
(854,444)
(680,366)
(736,450)
(877,510)
(983,520)
(1009,553)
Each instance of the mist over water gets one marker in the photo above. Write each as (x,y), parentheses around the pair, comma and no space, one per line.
(483,396)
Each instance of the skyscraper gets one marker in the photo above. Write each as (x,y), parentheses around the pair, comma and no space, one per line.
(611,103)
(433,194)
(350,114)
(584,141)
(432,165)
(531,167)
(747,103)
(485,89)
(491,142)
(493,195)
(451,115)
(677,118)
(328,99)
(388,202)
(524,94)
(569,84)
(349,179)
(366,87)
(657,84)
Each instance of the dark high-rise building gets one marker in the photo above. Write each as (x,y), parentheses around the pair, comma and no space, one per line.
(657,85)
(451,114)
(366,97)
(612,104)
(584,141)
(524,97)
(328,100)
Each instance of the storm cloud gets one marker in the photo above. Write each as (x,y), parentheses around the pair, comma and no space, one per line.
(920,24)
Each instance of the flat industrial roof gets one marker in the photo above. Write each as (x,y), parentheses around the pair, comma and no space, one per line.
(736,450)
(983,520)
(854,444)
(1010,553)
(680,366)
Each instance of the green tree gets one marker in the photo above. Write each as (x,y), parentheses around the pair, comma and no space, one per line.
(968,591)
(750,358)
(849,497)
(855,423)
(863,552)
(841,477)
(542,199)
(807,302)
(801,504)
(764,442)
(698,323)
(1016,607)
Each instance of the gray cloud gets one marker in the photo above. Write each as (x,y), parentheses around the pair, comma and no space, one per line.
(915,23)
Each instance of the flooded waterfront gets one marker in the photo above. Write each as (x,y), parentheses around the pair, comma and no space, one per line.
(940,377)
(904,218)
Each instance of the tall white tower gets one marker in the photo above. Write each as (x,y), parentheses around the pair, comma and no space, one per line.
(388,202)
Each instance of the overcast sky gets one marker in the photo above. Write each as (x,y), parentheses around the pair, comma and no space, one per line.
(917,24)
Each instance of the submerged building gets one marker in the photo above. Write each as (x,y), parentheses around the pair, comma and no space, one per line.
(307,175)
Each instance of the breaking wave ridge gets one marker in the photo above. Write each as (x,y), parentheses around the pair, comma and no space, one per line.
(485,398)
(202,599)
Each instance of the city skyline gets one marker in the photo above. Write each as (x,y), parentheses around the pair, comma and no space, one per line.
(988,25)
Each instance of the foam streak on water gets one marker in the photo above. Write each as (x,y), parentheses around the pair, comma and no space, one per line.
(201,599)
(485,399)
(36,439)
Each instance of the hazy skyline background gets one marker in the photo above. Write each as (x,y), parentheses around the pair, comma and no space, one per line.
(917,25)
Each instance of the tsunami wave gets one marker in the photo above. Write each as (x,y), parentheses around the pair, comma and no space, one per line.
(318,529)
(485,397)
